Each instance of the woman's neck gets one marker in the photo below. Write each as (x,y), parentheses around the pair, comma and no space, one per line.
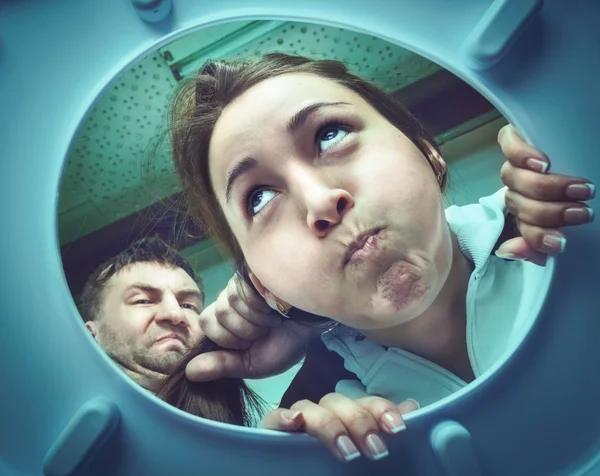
(439,334)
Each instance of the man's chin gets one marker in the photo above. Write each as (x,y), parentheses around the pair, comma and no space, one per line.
(174,353)
(164,363)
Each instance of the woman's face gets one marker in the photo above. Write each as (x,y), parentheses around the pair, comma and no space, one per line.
(336,211)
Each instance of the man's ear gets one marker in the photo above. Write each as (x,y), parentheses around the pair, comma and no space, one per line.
(92,327)
(273,301)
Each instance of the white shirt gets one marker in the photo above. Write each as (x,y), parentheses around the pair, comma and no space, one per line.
(500,297)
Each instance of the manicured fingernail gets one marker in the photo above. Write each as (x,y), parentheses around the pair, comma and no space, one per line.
(408,405)
(537,165)
(554,243)
(347,448)
(393,422)
(576,216)
(377,447)
(289,415)
(510,256)
(581,191)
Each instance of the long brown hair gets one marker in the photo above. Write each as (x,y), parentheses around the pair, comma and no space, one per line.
(199,101)
(227,400)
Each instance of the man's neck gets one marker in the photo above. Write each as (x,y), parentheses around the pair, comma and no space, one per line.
(439,334)
(145,378)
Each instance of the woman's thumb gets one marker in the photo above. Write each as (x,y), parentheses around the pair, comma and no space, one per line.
(215,365)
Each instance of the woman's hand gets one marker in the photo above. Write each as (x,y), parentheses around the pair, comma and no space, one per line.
(348,428)
(540,202)
(256,342)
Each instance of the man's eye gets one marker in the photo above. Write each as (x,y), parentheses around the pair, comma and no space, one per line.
(142,301)
(190,306)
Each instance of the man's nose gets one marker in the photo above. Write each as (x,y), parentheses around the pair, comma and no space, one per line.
(171,311)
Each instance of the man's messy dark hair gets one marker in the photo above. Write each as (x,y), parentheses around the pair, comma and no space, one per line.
(146,250)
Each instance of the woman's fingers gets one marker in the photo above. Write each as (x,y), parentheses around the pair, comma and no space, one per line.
(238,317)
(216,365)
(548,214)
(346,427)
(282,419)
(520,153)
(328,428)
(387,414)
(546,187)
(219,334)
(541,202)
(235,322)
(518,249)
(249,304)
(543,240)
(363,427)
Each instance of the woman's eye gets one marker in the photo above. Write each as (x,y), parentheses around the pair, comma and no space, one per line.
(142,301)
(258,199)
(330,135)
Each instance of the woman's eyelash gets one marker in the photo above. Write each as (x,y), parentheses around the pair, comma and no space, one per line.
(246,199)
(331,124)
(321,128)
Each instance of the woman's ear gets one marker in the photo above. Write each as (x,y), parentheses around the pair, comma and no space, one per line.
(91,326)
(437,158)
(437,161)
(274,302)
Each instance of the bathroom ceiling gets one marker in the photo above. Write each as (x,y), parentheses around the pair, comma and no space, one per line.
(119,182)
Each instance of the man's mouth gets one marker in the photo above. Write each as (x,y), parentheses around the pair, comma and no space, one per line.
(171,337)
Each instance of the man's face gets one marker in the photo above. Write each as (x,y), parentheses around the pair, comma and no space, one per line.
(148,319)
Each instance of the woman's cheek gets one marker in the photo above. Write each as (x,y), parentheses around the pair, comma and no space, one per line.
(297,279)
(269,261)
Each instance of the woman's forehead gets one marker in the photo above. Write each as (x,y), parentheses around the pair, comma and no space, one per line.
(271,102)
(266,107)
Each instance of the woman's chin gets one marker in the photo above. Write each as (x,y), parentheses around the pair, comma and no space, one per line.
(401,289)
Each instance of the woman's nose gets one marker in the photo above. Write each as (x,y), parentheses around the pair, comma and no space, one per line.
(326,209)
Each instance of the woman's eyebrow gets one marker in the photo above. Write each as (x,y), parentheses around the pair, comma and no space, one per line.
(242,167)
(299,118)
(294,123)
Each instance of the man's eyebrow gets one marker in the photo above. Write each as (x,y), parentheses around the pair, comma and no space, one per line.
(242,167)
(190,293)
(153,290)
(142,287)
(299,118)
